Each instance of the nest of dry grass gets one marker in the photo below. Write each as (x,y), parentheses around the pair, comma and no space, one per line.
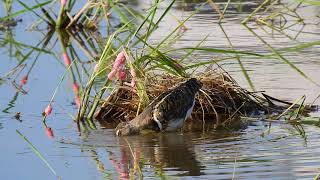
(219,100)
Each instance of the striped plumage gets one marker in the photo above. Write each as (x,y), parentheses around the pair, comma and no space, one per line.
(166,113)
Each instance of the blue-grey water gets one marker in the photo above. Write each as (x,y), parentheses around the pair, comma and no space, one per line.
(262,150)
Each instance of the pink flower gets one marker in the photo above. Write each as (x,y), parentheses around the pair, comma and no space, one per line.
(63,2)
(66,59)
(48,110)
(49,132)
(112,74)
(133,73)
(133,80)
(183,28)
(120,60)
(118,67)
(122,75)
(96,67)
(77,100)
(75,88)
(24,80)
(133,83)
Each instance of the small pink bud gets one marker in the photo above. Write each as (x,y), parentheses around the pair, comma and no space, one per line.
(133,83)
(75,88)
(48,110)
(120,60)
(66,59)
(24,80)
(77,100)
(112,74)
(122,75)
(116,65)
(96,67)
(183,28)
(121,57)
(133,73)
(49,132)
(63,2)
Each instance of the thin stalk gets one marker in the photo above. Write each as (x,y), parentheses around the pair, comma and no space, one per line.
(244,71)
(37,152)
(290,107)
(150,24)
(56,89)
(78,15)
(182,23)
(280,56)
(215,7)
(61,16)
(254,12)
(30,9)
(224,11)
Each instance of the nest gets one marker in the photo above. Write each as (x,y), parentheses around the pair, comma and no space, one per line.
(219,100)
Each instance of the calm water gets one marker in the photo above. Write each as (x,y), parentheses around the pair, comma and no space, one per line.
(259,151)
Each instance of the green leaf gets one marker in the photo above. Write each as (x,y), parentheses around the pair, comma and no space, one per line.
(27,9)
(310,2)
(214,50)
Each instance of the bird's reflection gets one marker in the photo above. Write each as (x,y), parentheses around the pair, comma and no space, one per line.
(170,150)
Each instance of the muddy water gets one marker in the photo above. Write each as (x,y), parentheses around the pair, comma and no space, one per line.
(262,150)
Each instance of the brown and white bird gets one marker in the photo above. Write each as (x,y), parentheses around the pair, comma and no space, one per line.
(167,112)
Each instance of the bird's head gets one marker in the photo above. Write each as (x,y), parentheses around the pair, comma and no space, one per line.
(125,129)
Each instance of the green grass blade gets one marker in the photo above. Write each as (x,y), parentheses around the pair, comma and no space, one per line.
(27,9)
(214,50)
(37,152)
(243,69)
(310,2)
(122,16)
(159,20)
(196,65)
(281,57)
(299,47)
(163,58)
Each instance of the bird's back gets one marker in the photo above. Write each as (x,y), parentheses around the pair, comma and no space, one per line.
(173,109)
(169,108)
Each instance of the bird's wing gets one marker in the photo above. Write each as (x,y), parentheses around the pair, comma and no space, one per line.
(173,106)
(145,119)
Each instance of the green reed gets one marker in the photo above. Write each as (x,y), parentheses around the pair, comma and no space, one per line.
(38,153)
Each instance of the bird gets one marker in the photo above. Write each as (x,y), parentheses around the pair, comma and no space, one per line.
(167,112)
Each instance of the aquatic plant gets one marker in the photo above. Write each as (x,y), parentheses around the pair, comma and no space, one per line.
(129,55)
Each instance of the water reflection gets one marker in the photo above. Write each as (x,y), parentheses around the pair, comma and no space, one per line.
(163,151)
(260,151)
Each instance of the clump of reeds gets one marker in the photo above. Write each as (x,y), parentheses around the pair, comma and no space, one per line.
(219,100)
(220,96)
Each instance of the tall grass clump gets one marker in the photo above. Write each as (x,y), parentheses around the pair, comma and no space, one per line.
(149,69)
